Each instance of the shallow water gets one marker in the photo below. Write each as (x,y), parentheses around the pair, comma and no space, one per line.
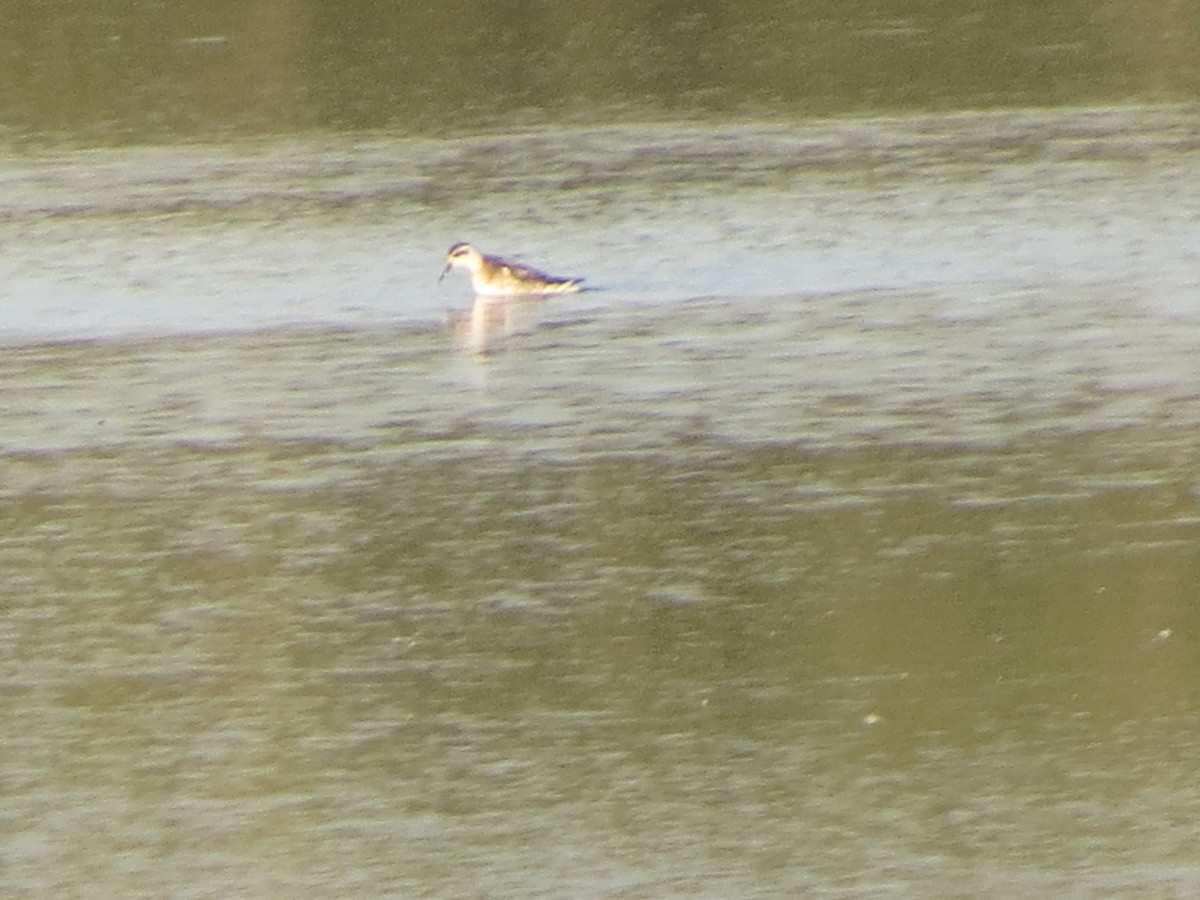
(887,592)
(137,71)
(349,231)
(845,543)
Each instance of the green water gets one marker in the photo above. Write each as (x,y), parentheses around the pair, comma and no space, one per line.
(132,70)
(847,543)
(706,599)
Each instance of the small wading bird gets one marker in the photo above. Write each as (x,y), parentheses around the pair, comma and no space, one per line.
(492,276)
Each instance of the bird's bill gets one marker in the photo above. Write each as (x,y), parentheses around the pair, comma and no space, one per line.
(445,270)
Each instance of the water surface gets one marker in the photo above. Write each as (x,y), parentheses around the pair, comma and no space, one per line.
(350,231)
(844,544)
(136,70)
(883,593)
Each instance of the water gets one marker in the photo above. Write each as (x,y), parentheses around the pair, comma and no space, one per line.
(138,70)
(707,598)
(350,231)
(843,544)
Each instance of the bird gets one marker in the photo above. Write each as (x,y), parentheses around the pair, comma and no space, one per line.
(492,276)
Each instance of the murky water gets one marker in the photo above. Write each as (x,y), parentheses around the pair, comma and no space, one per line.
(886,592)
(137,70)
(847,543)
(350,231)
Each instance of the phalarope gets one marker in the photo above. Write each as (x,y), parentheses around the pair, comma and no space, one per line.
(492,276)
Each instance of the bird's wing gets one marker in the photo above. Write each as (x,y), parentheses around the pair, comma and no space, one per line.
(522,271)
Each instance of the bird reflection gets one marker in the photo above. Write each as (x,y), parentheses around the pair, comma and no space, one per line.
(491,322)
